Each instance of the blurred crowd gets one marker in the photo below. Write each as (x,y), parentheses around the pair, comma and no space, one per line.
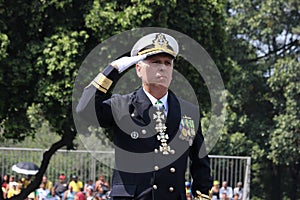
(63,189)
(75,189)
(224,192)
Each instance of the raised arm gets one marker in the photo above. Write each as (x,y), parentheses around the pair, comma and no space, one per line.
(97,92)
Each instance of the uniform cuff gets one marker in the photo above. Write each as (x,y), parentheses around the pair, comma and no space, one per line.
(105,79)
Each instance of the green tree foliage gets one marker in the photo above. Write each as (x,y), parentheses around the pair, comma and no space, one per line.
(285,135)
(51,38)
(255,45)
(42,45)
(264,101)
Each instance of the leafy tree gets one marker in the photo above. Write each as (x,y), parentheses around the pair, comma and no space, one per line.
(42,50)
(264,42)
(44,42)
(285,137)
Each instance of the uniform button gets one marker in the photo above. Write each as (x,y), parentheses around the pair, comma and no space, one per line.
(154,187)
(172,169)
(144,131)
(156,150)
(156,168)
(134,135)
(171,189)
(132,115)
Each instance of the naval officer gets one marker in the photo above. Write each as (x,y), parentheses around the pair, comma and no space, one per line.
(154,131)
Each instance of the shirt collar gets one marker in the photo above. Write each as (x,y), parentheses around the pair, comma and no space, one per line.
(153,100)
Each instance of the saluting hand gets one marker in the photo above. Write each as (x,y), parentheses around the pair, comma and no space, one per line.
(124,63)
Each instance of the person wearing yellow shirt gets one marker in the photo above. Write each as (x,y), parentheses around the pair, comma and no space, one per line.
(14,190)
(26,181)
(48,184)
(76,184)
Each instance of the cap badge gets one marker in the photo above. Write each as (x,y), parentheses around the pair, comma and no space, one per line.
(160,41)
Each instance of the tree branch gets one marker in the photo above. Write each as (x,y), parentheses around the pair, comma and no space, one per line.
(44,165)
(284,47)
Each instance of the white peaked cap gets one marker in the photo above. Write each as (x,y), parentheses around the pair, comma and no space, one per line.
(155,42)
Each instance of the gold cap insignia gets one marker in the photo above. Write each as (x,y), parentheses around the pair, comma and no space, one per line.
(160,42)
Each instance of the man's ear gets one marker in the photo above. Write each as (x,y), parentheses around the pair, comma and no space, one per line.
(138,67)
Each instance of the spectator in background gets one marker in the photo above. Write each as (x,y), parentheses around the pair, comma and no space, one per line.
(5,181)
(102,187)
(48,184)
(31,196)
(223,196)
(80,195)
(188,190)
(11,182)
(215,190)
(89,193)
(4,185)
(89,184)
(69,194)
(76,184)
(61,186)
(13,189)
(26,181)
(100,181)
(106,187)
(225,189)
(239,190)
(236,196)
(20,184)
(53,195)
(42,192)
(99,191)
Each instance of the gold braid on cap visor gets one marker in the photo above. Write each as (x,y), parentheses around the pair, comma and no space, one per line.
(157,49)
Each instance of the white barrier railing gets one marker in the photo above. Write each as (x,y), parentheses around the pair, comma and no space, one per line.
(87,165)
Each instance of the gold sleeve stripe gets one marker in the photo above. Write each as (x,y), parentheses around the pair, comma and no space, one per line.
(98,87)
(103,81)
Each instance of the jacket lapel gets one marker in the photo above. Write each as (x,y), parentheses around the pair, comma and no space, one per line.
(141,104)
(174,114)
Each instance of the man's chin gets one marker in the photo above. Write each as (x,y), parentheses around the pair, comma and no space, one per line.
(160,85)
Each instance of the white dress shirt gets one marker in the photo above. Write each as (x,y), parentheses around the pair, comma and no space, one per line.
(153,100)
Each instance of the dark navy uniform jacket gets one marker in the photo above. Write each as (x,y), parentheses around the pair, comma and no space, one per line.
(142,170)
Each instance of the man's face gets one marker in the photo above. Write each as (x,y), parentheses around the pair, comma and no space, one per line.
(156,70)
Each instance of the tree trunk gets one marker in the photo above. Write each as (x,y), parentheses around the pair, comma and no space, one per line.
(294,183)
(276,183)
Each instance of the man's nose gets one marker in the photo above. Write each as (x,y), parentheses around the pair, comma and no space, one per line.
(162,66)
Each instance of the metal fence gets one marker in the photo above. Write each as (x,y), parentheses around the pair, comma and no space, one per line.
(87,165)
(232,169)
